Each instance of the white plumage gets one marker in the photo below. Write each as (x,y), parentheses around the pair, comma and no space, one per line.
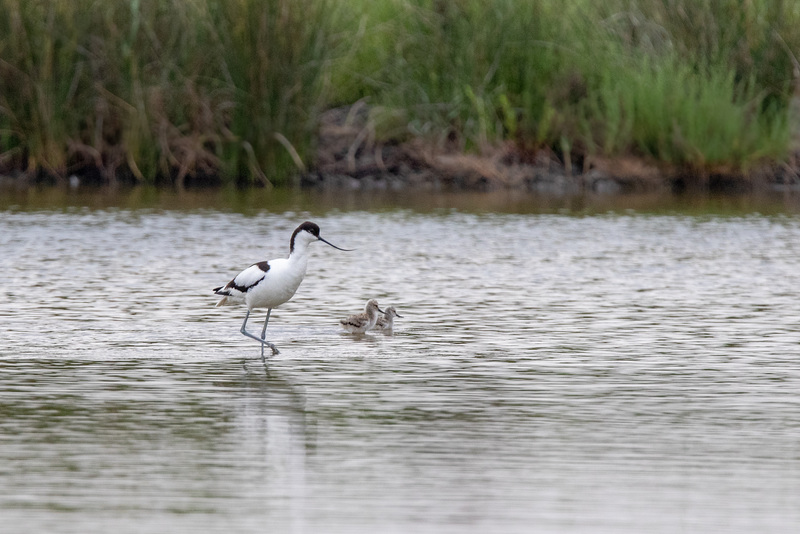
(268,284)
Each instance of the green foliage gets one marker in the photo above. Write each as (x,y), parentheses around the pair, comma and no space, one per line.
(161,89)
(670,112)
(233,88)
(697,83)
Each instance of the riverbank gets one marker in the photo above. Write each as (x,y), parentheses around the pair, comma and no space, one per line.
(535,94)
(350,157)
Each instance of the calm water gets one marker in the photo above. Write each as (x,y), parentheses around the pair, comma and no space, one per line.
(560,367)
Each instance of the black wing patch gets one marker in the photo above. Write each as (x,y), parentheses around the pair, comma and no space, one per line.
(248,281)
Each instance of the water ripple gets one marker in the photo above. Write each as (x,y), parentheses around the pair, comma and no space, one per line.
(610,373)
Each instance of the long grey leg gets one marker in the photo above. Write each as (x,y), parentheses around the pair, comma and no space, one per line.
(264,335)
(264,330)
(244,324)
(259,339)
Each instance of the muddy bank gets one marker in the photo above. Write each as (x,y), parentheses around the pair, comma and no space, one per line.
(350,157)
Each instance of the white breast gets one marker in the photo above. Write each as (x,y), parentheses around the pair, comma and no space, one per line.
(279,284)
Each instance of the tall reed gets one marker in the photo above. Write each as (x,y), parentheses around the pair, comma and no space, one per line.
(232,89)
(698,83)
(161,90)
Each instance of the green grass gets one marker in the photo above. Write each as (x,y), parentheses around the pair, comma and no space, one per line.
(232,90)
(669,112)
(161,90)
(707,88)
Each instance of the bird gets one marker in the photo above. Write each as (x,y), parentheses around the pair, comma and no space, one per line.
(386,322)
(268,284)
(360,323)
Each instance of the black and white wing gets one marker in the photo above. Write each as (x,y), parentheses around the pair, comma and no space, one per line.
(236,289)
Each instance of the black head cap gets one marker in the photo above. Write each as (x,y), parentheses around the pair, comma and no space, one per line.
(307,226)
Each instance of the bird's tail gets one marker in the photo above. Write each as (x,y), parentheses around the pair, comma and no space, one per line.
(225,294)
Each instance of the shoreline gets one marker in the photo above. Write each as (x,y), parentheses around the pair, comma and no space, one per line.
(535,96)
(348,157)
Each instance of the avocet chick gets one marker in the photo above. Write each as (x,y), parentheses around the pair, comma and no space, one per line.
(360,323)
(386,322)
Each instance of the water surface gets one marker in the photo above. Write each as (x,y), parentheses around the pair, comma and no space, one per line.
(574,366)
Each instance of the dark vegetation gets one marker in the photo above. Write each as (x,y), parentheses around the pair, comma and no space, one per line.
(234,91)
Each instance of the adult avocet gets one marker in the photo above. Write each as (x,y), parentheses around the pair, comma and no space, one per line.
(360,323)
(386,323)
(268,284)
